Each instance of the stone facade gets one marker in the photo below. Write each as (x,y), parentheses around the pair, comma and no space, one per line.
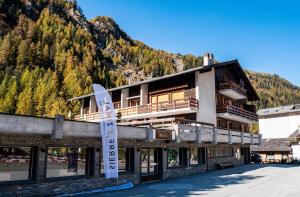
(40,185)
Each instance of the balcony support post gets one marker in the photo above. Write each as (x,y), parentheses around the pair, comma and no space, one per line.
(215,133)
(198,134)
(229,137)
(242,137)
(177,133)
(260,139)
(150,134)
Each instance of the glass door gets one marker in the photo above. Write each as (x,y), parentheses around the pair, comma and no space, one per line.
(150,163)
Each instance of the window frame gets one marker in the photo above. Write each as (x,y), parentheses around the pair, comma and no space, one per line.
(88,170)
(129,161)
(32,170)
(182,153)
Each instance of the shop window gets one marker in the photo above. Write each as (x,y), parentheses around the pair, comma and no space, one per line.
(66,161)
(125,160)
(194,156)
(16,163)
(177,157)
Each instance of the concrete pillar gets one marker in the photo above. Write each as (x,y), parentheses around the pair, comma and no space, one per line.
(251,138)
(229,137)
(198,133)
(177,133)
(260,139)
(93,105)
(124,96)
(137,164)
(165,163)
(57,131)
(150,134)
(144,94)
(242,138)
(215,133)
(81,106)
(41,163)
(97,166)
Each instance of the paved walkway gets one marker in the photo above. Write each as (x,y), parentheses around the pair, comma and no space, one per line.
(245,181)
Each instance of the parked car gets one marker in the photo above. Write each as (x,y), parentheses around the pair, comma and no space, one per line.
(255,158)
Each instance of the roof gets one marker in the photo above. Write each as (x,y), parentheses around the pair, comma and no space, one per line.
(201,69)
(273,145)
(296,134)
(282,111)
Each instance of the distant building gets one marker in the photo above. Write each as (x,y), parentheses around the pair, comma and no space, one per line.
(280,129)
(277,150)
(279,122)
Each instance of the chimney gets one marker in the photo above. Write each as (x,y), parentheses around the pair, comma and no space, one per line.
(208,59)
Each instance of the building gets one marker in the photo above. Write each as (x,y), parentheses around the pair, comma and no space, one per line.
(279,122)
(216,94)
(275,150)
(181,124)
(295,144)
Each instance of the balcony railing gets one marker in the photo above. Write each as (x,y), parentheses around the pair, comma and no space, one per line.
(144,109)
(234,86)
(237,111)
(159,107)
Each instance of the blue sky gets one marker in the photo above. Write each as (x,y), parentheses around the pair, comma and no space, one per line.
(264,35)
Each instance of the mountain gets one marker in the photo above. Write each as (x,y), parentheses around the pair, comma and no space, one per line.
(49,52)
(273,90)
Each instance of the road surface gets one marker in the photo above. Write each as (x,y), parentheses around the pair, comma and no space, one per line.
(244,181)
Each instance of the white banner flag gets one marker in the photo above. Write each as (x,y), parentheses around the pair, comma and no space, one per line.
(108,129)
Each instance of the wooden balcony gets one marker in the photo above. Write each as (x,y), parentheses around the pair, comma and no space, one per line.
(232,90)
(186,105)
(235,113)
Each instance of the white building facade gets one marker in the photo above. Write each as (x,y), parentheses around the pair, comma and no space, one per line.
(279,122)
(282,122)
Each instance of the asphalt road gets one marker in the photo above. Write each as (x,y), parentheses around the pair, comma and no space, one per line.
(244,181)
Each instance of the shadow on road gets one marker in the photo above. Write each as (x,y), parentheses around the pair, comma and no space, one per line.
(196,185)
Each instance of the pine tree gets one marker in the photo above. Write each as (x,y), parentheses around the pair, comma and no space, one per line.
(8,103)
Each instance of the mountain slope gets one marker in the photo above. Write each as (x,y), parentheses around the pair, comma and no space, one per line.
(273,90)
(49,53)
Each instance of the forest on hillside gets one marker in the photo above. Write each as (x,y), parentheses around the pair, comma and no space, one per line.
(273,90)
(49,52)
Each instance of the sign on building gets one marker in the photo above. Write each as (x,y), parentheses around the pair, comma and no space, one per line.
(108,129)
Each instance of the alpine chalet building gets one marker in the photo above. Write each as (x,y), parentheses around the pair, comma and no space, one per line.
(176,125)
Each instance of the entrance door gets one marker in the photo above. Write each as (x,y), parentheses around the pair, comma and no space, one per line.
(151,164)
(247,156)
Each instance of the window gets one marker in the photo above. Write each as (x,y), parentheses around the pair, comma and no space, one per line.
(194,156)
(177,157)
(15,163)
(125,160)
(65,161)
(134,102)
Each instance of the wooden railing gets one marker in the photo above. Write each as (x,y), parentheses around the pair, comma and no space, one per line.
(234,86)
(237,111)
(142,109)
(158,107)
(88,117)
